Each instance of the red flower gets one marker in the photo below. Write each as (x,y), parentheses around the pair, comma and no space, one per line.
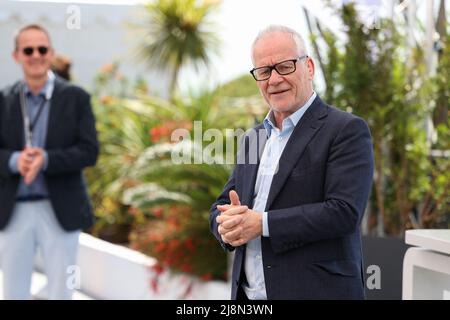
(158,269)
(206,276)
(158,133)
(189,243)
(158,212)
(154,284)
(186,268)
(161,246)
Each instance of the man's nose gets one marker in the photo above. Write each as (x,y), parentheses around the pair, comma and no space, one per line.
(275,77)
(36,54)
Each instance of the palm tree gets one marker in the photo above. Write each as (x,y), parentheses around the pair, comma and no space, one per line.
(177,33)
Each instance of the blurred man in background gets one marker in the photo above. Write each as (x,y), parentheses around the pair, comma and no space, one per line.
(47,136)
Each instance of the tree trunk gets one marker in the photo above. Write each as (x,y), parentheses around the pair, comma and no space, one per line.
(441,22)
(314,44)
(378,181)
(173,82)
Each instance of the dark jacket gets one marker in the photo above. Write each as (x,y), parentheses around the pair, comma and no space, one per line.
(71,145)
(315,205)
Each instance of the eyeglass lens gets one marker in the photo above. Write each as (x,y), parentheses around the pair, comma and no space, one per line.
(28,51)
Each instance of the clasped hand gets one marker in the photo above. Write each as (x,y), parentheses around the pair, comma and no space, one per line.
(29,163)
(238,224)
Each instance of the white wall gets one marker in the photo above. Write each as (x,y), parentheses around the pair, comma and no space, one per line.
(102,38)
(110,271)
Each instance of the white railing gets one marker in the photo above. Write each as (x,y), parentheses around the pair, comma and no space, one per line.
(109,271)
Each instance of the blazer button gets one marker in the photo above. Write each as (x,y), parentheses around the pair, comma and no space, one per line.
(269,267)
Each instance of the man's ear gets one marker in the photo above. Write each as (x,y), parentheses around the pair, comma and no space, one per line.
(15,55)
(311,68)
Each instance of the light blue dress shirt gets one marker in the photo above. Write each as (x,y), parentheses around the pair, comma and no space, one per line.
(255,289)
(38,187)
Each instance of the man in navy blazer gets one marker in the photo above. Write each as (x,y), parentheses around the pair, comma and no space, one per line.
(47,136)
(292,208)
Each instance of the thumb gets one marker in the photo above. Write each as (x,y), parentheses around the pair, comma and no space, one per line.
(234,198)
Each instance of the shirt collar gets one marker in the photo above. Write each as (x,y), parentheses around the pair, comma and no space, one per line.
(46,90)
(290,121)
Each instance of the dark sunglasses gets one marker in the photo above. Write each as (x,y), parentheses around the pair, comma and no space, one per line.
(28,51)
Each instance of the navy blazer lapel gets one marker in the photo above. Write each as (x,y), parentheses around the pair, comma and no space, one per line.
(252,163)
(303,132)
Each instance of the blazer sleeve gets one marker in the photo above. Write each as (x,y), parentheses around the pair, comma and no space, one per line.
(222,199)
(4,153)
(348,179)
(84,152)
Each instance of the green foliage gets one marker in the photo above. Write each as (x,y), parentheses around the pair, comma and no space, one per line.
(376,77)
(123,135)
(442,89)
(243,86)
(178,33)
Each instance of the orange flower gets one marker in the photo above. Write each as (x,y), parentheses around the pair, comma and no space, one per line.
(108,68)
(106,100)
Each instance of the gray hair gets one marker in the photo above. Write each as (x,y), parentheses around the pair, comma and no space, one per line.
(282,29)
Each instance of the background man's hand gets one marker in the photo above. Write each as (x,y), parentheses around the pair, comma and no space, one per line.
(24,161)
(30,162)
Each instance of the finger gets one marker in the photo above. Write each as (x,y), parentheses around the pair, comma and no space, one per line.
(233,235)
(238,242)
(234,198)
(29,177)
(235,210)
(28,160)
(24,167)
(31,174)
(29,152)
(223,207)
(222,218)
(233,222)
(224,239)
(222,230)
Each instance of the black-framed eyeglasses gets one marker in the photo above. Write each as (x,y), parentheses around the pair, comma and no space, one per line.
(282,68)
(28,51)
